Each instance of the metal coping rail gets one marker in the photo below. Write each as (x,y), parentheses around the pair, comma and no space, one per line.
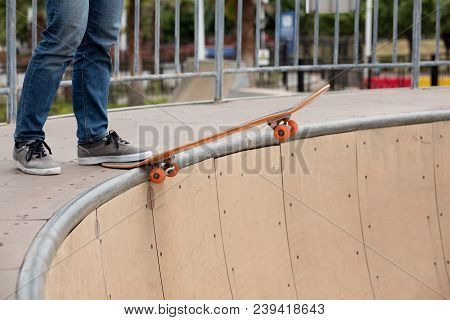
(219,71)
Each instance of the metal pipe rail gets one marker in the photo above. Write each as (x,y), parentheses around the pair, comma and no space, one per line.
(371,62)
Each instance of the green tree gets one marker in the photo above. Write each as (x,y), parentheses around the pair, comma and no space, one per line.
(405,19)
(307,20)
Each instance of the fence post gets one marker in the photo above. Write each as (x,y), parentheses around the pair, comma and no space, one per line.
(434,73)
(11,64)
(417,22)
(219,36)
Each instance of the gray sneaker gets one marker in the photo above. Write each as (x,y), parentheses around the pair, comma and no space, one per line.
(111,148)
(32,158)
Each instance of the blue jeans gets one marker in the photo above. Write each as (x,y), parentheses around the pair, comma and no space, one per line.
(81,31)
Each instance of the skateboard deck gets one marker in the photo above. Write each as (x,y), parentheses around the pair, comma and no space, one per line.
(279,121)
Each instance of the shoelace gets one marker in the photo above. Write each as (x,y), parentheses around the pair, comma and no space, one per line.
(114,137)
(36,148)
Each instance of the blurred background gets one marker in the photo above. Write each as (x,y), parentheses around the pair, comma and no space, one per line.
(276,43)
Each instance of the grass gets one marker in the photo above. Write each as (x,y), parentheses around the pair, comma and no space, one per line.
(61,107)
(2,113)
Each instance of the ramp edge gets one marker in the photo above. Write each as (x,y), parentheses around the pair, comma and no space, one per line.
(31,280)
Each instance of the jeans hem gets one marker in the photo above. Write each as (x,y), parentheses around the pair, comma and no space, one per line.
(93,139)
(26,139)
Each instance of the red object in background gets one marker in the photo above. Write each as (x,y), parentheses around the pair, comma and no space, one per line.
(388,82)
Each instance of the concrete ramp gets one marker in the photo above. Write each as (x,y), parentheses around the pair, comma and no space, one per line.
(357,215)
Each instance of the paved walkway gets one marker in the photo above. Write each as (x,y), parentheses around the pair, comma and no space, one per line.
(27,202)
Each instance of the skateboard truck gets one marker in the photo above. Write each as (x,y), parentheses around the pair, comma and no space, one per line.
(164,168)
(283,128)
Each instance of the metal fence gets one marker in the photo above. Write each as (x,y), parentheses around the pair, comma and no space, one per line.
(218,74)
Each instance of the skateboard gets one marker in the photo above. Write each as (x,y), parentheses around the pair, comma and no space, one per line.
(163,164)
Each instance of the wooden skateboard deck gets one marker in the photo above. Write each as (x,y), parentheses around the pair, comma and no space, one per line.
(279,121)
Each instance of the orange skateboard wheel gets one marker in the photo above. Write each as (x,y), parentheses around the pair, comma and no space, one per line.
(281,132)
(157,175)
(294,127)
(174,171)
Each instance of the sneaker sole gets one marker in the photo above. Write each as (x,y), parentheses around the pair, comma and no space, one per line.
(38,172)
(88,161)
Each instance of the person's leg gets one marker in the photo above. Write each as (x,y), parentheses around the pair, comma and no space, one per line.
(91,76)
(92,69)
(66,25)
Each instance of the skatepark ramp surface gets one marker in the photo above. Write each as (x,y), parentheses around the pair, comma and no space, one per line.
(346,210)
